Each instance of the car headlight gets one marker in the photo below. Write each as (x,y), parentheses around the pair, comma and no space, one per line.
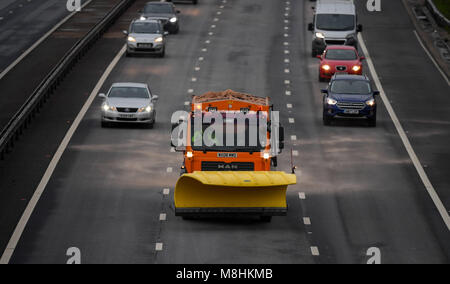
(370,102)
(131,39)
(356,68)
(326,67)
(331,101)
(173,20)
(143,18)
(107,107)
(145,109)
(320,35)
(159,39)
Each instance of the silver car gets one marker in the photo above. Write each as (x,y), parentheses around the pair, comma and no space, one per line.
(146,36)
(129,103)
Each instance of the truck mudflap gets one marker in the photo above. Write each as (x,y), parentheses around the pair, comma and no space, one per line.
(232,192)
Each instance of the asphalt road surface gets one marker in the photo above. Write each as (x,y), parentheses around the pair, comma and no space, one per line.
(357,186)
(23,22)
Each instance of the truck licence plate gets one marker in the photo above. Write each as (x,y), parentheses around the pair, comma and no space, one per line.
(226,155)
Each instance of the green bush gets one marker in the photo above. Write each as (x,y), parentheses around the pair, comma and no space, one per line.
(443,6)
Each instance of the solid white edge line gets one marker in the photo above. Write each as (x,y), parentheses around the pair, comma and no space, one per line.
(431,58)
(7,254)
(37,43)
(423,176)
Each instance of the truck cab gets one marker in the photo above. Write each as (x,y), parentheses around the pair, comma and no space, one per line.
(334,23)
(230,131)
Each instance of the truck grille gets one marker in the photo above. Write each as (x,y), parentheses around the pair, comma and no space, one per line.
(222,166)
(349,105)
(127,109)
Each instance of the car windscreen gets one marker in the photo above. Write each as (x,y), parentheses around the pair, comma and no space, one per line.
(129,92)
(145,28)
(335,22)
(340,54)
(158,9)
(350,87)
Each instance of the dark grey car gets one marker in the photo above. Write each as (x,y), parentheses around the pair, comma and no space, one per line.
(165,12)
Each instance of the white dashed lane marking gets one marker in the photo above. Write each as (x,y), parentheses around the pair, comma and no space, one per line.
(166,191)
(302,195)
(307,221)
(315,251)
(159,246)
(162,217)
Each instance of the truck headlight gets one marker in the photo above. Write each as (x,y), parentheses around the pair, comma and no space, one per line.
(266,156)
(320,35)
(331,101)
(159,39)
(131,39)
(189,154)
(370,102)
(173,20)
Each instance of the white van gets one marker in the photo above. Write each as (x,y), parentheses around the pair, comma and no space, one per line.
(335,23)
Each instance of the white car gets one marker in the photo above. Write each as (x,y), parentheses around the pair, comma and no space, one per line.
(128,103)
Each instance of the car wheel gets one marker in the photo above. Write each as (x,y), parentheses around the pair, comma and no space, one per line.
(326,120)
(373,121)
(321,79)
(195,2)
(105,124)
(163,53)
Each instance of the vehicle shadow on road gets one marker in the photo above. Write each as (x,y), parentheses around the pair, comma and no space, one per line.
(349,122)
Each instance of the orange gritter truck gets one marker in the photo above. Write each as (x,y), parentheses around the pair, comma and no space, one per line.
(230,144)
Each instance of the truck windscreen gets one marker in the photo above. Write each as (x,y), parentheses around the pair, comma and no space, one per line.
(228,135)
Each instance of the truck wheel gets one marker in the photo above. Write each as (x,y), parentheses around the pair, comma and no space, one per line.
(266,219)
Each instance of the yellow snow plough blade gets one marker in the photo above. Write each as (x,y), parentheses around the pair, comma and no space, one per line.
(256,192)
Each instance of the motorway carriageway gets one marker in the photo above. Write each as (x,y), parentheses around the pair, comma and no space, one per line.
(110,194)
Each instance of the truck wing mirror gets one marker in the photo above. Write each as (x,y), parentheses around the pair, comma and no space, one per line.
(281,138)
